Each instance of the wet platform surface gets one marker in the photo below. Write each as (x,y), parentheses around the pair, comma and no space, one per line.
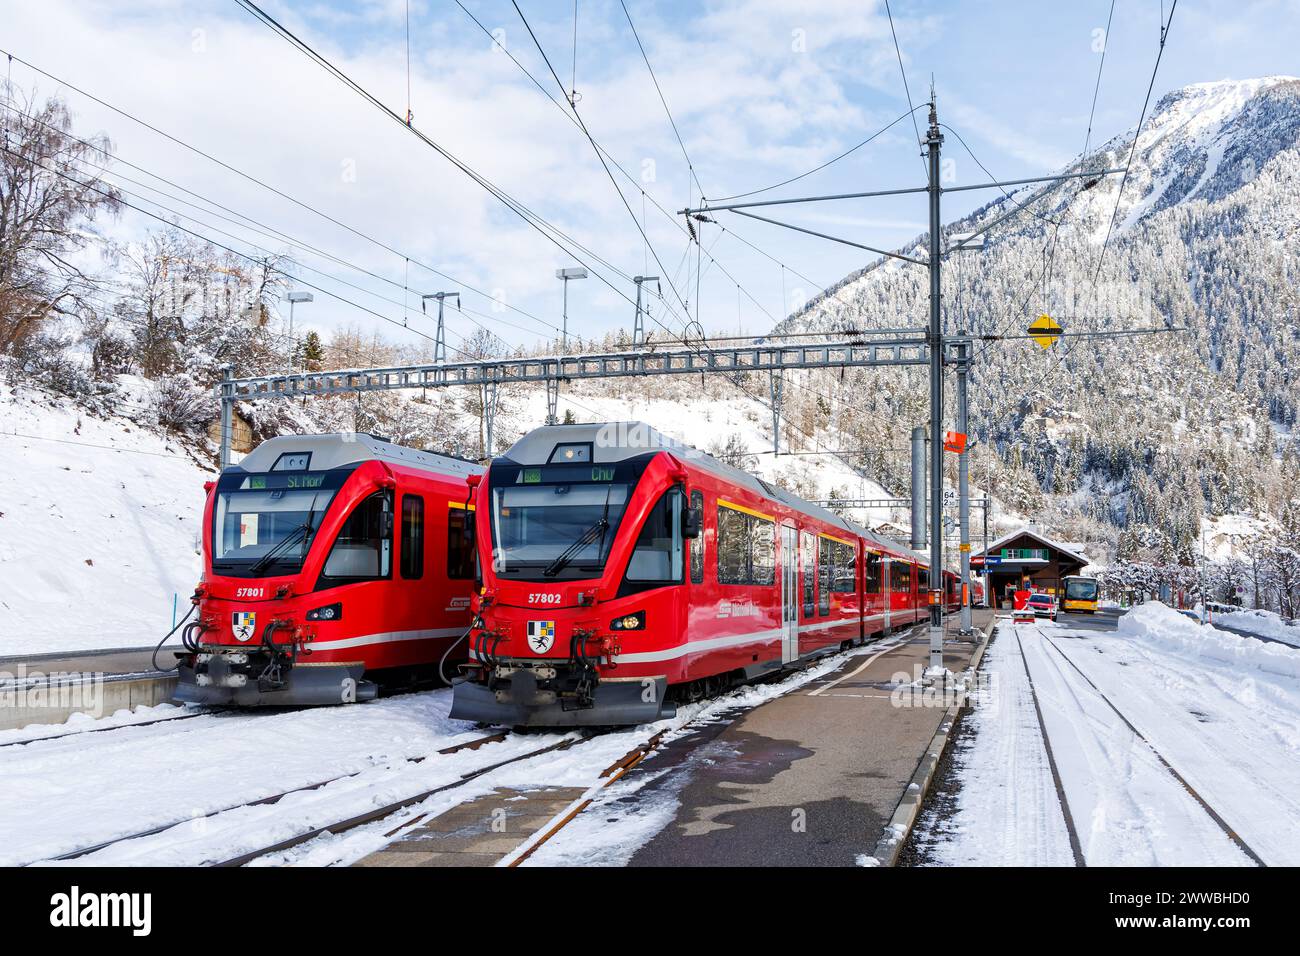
(810,778)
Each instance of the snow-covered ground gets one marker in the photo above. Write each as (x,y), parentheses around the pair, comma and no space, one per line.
(1262,624)
(76,791)
(99,526)
(1222,710)
(69,793)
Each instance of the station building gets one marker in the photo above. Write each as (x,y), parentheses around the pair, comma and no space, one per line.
(1026,560)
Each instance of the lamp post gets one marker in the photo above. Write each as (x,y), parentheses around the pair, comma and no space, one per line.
(294,298)
(577,272)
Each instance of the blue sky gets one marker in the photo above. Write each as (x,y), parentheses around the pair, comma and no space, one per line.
(760,90)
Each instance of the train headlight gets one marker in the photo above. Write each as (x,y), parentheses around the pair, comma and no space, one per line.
(628,622)
(331,612)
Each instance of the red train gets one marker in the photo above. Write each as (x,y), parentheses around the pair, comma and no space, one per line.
(330,563)
(623,572)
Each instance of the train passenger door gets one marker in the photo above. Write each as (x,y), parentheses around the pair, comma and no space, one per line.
(789,594)
(887,586)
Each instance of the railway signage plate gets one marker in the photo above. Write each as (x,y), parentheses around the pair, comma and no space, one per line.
(1045,331)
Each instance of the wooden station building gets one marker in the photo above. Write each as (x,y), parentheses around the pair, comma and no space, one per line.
(1026,560)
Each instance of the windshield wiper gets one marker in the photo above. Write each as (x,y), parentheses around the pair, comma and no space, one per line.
(563,560)
(588,537)
(262,563)
(301,531)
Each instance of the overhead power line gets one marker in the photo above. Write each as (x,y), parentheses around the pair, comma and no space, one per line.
(906,88)
(553,234)
(604,165)
(829,162)
(645,196)
(261,183)
(1160,52)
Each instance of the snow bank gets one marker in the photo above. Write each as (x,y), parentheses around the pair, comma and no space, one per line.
(1263,624)
(99,526)
(1157,624)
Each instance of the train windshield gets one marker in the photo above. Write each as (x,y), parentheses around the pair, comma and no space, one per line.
(264,525)
(1081,589)
(557,522)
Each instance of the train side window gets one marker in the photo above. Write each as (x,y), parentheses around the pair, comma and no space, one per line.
(746,548)
(923,579)
(873,573)
(825,570)
(733,546)
(845,574)
(363,549)
(412,556)
(697,543)
(460,555)
(657,556)
(809,545)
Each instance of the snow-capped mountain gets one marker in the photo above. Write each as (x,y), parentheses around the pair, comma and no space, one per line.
(1145,433)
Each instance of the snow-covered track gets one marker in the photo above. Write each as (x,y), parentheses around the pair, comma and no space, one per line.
(72,734)
(379,813)
(1076,850)
(1163,760)
(610,775)
(264,801)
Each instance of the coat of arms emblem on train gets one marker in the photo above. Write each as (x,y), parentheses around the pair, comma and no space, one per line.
(541,635)
(243,624)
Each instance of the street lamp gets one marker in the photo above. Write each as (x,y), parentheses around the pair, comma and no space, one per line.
(294,298)
(577,272)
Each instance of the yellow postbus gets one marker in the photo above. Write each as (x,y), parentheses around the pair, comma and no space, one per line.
(1081,594)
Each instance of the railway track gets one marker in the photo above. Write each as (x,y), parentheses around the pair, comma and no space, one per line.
(1164,762)
(380,813)
(206,712)
(314,829)
(605,779)
(610,775)
(469,745)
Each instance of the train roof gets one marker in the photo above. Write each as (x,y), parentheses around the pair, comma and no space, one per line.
(347,448)
(619,441)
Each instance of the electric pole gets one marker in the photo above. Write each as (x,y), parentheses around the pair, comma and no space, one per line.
(440,340)
(933,140)
(638,327)
(963,481)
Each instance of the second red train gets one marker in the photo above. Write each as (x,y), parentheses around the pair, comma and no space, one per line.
(622,572)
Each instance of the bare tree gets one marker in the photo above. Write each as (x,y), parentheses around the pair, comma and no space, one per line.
(49,199)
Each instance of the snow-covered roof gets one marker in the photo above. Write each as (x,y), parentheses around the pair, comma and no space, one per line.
(331,451)
(1070,549)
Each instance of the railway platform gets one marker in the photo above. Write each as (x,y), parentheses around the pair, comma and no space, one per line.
(47,689)
(823,776)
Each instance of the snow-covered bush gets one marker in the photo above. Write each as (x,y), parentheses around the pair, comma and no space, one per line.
(181,406)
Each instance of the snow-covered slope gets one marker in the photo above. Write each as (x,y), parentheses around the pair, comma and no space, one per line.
(1099,435)
(99,525)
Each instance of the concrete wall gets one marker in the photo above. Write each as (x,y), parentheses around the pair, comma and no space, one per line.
(54,703)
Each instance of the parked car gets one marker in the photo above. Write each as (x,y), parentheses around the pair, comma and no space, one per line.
(1043,605)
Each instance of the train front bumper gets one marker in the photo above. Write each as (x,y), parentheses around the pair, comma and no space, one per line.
(520,699)
(234,679)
